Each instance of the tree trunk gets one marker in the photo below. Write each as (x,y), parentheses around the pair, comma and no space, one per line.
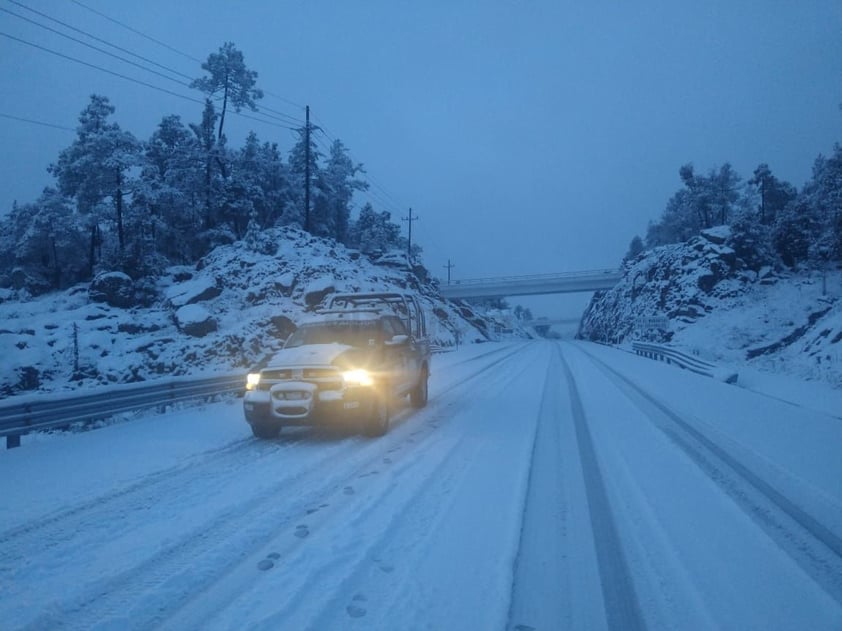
(208,218)
(56,268)
(92,254)
(224,105)
(118,200)
(763,201)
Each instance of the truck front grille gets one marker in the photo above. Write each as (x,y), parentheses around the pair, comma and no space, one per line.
(324,378)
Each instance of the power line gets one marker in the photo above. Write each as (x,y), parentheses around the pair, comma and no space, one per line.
(282,115)
(375,193)
(370,179)
(384,191)
(285,100)
(96,48)
(379,202)
(321,143)
(279,115)
(259,110)
(90,65)
(35,122)
(125,26)
(102,41)
(324,129)
(133,80)
(267,122)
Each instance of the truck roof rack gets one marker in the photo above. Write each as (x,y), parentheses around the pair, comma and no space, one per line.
(405,306)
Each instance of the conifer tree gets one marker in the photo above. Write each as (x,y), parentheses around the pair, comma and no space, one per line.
(95,167)
(229,76)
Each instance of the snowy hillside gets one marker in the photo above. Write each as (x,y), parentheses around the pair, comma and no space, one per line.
(701,297)
(224,314)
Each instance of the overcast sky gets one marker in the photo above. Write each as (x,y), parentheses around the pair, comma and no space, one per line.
(530,137)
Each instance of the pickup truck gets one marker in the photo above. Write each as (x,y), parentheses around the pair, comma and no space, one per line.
(348,364)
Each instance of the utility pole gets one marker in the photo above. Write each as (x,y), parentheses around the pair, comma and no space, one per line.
(410,219)
(307,171)
(449,267)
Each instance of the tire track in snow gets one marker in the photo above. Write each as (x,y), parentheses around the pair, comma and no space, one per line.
(622,609)
(540,597)
(571,570)
(813,546)
(148,592)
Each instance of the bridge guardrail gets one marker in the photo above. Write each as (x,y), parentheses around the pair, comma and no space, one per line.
(22,417)
(506,279)
(688,362)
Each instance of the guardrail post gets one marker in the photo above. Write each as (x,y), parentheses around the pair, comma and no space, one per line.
(12,441)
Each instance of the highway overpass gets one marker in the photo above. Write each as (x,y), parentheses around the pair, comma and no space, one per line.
(567,282)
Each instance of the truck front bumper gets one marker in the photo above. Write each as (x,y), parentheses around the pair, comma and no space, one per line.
(302,403)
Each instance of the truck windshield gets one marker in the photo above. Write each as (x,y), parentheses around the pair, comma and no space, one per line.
(350,333)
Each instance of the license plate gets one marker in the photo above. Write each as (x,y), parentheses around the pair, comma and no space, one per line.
(294,396)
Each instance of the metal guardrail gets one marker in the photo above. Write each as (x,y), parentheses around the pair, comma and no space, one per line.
(688,362)
(51,411)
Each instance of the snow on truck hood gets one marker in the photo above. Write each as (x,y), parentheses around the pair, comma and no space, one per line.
(308,355)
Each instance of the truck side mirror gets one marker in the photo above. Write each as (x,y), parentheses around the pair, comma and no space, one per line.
(397,340)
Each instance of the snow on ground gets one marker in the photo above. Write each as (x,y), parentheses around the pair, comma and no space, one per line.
(546,485)
(766,314)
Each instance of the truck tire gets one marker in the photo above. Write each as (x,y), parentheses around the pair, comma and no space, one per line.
(379,416)
(418,395)
(265,430)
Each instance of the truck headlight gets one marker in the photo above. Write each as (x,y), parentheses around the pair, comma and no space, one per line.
(358,377)
(252,379)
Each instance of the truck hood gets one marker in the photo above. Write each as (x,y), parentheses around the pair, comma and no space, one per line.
(309,355)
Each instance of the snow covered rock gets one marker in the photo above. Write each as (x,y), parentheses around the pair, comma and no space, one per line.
(193,291)
(317,289)
(195,320)
(717,235)
(677,283)
(116,289)
(283,326)
(393,258)
(30,283)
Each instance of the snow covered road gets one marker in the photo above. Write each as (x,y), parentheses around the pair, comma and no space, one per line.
(545,486)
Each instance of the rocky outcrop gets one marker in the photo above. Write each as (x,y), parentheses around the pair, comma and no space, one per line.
(665,288)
